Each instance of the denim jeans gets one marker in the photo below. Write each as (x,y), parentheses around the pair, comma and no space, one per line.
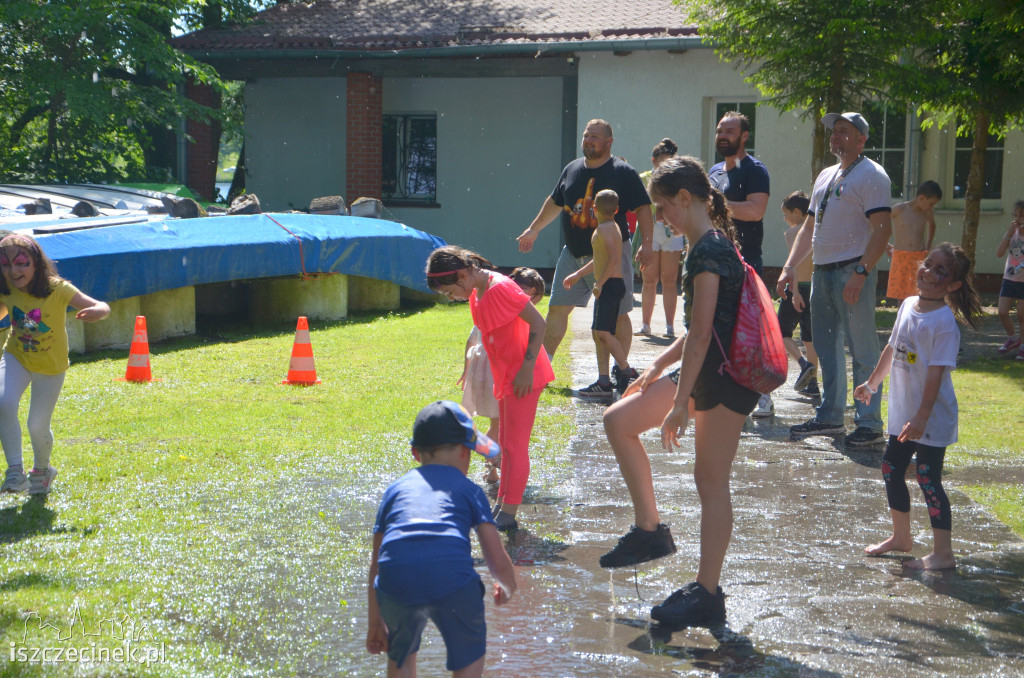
(835,323)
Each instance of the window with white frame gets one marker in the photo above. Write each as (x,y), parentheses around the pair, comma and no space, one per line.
(887,141)
(747,108)
(409,157)
(993,186)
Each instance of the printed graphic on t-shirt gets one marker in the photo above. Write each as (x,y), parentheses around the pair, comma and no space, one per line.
(28,328)
(904,353)
(581,215)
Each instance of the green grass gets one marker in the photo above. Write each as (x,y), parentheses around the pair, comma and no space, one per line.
(226,513)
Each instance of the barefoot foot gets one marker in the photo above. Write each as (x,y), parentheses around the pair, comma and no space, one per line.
(890,544)
(932,561)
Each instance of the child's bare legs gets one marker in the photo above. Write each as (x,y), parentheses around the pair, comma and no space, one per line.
(716,437)
(607,341)
(900,539)
(792,349)
(493,464)
(812,355)
(669,273)
(624,421)
(408,669)
(1004,314)
(650,277)
(941,557)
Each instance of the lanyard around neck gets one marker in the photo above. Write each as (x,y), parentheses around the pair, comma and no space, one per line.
(837,177)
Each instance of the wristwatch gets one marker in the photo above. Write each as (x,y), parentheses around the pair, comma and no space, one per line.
(860,270)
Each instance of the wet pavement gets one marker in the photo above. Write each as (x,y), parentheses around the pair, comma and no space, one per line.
(803,599)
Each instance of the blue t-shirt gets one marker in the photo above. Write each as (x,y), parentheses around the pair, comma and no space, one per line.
(426,516)
(749,176)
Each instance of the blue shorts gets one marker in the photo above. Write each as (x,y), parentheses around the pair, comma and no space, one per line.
(459,617)
(1011,289)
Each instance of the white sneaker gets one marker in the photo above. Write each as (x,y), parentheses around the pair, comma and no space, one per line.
(15,480)
(644,329)
(765,407)
(670,332)
(39,481)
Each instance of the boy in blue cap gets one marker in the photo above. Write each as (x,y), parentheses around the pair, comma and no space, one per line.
(421,566)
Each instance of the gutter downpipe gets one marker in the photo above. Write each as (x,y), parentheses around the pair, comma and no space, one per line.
(537,49)
(913,153)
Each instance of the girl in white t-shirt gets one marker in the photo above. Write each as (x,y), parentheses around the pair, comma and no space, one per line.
(921,355)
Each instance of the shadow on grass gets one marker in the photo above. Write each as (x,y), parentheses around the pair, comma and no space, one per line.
(213,330)
(30,519)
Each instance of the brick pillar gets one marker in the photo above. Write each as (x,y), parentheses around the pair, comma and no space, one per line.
(201,164)
(364,109)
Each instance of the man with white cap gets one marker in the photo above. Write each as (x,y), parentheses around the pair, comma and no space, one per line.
(848,226)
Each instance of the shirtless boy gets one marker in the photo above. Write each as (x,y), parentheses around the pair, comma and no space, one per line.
(609,289)
(910,245)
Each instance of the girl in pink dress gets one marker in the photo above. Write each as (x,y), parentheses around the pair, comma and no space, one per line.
(513,335)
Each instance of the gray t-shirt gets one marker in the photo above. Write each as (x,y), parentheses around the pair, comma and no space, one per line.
(844,230)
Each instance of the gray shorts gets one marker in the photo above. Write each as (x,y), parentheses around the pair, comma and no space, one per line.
(580,293)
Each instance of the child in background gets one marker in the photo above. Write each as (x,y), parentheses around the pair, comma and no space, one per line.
(1012,290)
(530,282)
(421,567)
(609,289)
(794,211)
(513,334)
(36,353)
(910,220)
(921,355)
(668,251)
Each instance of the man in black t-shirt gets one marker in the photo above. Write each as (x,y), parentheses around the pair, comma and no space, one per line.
(744,181)
(573,199)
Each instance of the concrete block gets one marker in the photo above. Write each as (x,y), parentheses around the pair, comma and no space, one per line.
(76,333)
(169,313)
(116,330)
(318,297)
(370,294)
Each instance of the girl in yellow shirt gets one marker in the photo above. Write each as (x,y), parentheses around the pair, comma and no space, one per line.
(36,353)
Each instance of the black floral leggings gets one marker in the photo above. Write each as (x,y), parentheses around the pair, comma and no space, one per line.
(929,477)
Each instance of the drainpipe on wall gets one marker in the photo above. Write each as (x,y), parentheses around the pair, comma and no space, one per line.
(182,164)
(913,154)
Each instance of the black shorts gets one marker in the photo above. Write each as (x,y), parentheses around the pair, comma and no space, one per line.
(606,306)
(713,389)
(789,318)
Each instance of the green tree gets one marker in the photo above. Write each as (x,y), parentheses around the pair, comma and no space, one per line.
(969,70)
(814,56)
(91,90)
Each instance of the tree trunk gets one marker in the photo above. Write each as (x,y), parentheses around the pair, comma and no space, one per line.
(820,149)
(975,184)
(238,179)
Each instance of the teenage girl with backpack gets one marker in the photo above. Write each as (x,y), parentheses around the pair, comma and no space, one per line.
(713,276)
(513,334)
(921,354)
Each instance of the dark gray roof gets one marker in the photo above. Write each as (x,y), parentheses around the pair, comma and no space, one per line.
(388,25)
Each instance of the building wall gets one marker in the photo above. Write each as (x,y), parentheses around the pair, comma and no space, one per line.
(498,157)
(295,140)
(500,141)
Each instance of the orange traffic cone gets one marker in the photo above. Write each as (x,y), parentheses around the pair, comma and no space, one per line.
(301,370)
(138,355)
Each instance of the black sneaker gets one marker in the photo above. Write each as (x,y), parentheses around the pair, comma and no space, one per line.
(596,390)
(814,427)
(624,377)
(864,437)
(639,546)
(691,605)
(808,373)
(811,390)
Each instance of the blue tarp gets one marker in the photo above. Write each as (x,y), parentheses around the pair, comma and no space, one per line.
(115,262)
